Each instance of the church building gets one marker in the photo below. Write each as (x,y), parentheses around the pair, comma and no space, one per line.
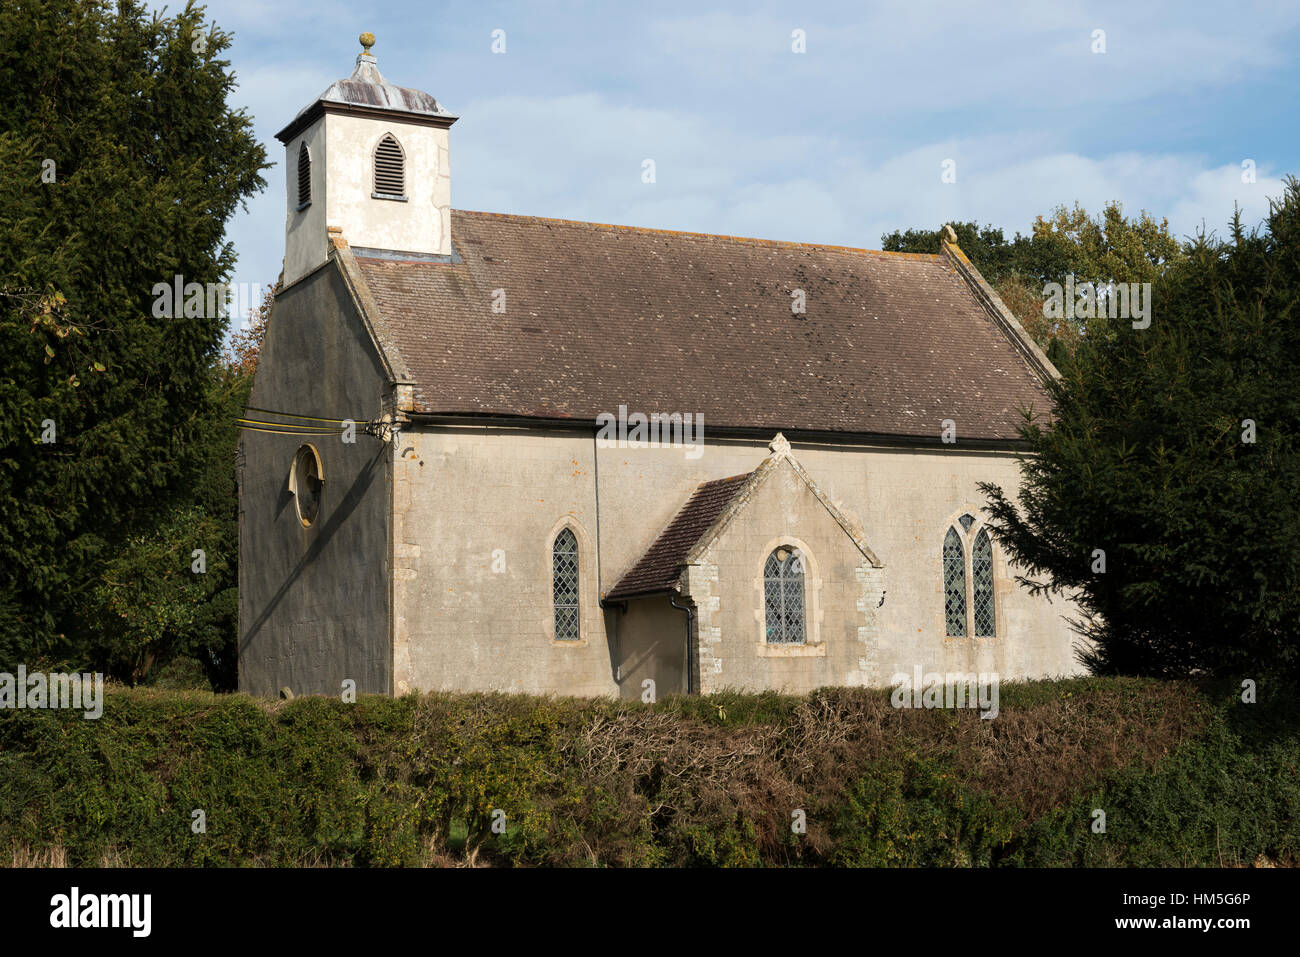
(502,452)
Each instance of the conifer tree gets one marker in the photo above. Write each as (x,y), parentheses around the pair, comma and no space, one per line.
(1163,492)
(121,162)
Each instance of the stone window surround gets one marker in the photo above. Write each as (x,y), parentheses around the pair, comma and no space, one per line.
(588,607)
(300,456)
(813,646)
(1000,575)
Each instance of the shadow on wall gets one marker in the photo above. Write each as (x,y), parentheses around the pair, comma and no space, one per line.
(337,517)
(613,641)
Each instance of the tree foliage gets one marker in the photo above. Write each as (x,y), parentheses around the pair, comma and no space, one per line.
(1069,241)
(1172,463)
(245,346)
(993,254)
(1099,249)
(120,164)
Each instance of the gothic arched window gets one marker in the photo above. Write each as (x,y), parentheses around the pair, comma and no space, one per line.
(969,605)
(564,579)
(783,596)
(954,585)
(981,565)
(390,167)
(304,176)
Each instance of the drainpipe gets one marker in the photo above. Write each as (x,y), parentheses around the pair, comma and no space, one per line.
(690,620)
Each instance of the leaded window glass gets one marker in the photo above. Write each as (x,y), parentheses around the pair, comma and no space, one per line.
(564,577)
(783,597)
(981,564)
(954,585)
(967,521)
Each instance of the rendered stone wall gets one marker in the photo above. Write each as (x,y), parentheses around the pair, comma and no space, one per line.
(841,636)
(422,224)
(313,601)
(475,513)
(650,643)
(305,240)
(479,491)
(342,153)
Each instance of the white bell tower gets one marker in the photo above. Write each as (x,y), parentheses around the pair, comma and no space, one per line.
(372,159)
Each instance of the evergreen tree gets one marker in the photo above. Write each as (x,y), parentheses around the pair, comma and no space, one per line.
(1163,495)
(120,164)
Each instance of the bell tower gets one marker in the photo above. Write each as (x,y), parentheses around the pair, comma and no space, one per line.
(372,159)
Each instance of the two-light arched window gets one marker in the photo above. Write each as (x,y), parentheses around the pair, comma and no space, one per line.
(564,585)
(390,169)
(783,597)
(968,609)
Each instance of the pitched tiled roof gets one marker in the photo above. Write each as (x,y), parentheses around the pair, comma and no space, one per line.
(659,567)
(601,316)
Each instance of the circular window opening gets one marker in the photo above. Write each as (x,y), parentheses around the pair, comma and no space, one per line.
(307,483)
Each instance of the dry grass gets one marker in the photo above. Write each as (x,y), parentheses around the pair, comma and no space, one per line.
(22,855)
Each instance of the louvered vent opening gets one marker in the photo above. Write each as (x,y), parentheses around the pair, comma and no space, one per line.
(304,176)
(389,174)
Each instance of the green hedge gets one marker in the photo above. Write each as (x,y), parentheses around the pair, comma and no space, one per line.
(1186,775)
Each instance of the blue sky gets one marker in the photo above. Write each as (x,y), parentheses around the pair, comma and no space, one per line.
(838,144)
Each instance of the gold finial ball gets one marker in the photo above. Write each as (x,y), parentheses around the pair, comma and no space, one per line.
(367,41)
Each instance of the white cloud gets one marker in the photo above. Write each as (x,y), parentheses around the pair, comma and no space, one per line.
(579,157)
(837,145)
(891,59)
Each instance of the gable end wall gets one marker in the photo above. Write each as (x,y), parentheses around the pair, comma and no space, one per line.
(314,601)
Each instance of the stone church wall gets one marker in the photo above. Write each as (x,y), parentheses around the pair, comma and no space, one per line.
(475,513)
(841,591)
(313,601)
(649,642)
(497,492)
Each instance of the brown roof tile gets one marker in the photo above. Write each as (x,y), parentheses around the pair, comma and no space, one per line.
(600,316)
(659,567)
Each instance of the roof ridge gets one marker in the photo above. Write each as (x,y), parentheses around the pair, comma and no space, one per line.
(518,217)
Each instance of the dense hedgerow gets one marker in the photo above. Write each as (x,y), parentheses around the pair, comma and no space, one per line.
(1186,775)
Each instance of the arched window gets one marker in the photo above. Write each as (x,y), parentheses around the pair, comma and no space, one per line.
(564,578)
(783,596)
(304,176)
(954,585)
(981,564)
(390,167)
